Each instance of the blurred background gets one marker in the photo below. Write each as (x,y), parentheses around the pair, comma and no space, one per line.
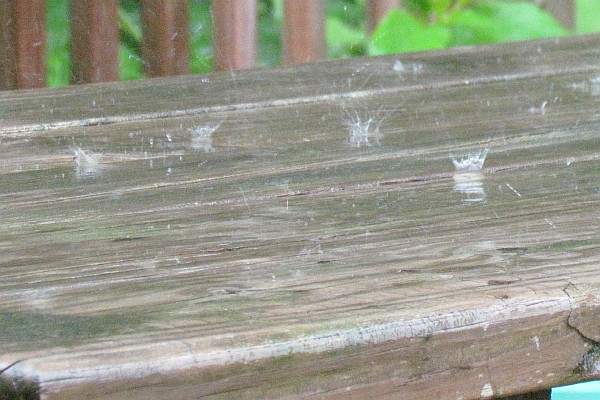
(415,26)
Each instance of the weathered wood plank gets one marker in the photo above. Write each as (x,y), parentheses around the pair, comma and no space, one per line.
(254,242)
(326,82)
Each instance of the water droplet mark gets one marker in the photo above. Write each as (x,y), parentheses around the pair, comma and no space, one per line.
(363,132)
(541,110)
(87,164)
(202,136)
(590,85)
(473,162)
(468,176)
(415,68)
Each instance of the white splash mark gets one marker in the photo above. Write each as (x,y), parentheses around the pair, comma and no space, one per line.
(316,249)
(398,66)
(594,86)
(468,178)
(245,199)
(539,110)
(471,185)
(591,86)
(202,136)
(86,163)
(363,133)
(536,342)
(415,68)
(513,189)
(487,392)
(473,162)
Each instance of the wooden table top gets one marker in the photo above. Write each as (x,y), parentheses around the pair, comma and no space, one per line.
(421,226)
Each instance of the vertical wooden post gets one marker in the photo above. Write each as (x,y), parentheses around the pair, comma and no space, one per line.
(303,31)
(94,40)
(376,10)
(22,44)
(235,34)
(166,38)
(562,10)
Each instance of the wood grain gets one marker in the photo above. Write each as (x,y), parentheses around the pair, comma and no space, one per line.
(235,39)
(94,40)
(22,44)
(303,33)
(166,43)
(234,235)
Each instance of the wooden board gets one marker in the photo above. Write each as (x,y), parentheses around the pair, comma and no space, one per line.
(247,235)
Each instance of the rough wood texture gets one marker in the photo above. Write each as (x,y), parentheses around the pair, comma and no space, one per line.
(165,47)
(94,40)
(302,232)
(22,44)
(235,37)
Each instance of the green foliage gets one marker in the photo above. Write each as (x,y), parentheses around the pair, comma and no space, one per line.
(418,25)
(434,24)
(588,20)
(345,28)
(131,65)
(58,60)
(342,39)
(201,57)
(401,32)
(494,22)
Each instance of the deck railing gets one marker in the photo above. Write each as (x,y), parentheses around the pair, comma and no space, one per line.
(165,44)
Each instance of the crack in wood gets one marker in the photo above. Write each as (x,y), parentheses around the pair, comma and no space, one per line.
(590,362)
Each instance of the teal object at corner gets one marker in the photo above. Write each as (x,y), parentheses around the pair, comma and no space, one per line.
(580,391)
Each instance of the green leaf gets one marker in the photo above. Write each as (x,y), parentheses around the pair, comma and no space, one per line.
(400,32)
(498,21)
(58,50)
(201,50)
(342,38)
(130,29)
(587,16)
(440,7)
(130,63)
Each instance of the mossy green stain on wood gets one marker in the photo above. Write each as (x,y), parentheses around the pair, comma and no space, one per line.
(18,388)
(23,331)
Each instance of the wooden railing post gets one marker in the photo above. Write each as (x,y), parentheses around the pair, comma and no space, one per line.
(166,39)
(562,10)
(303,31)
(22,44)
(376,10)
(235,34)
(94,40)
